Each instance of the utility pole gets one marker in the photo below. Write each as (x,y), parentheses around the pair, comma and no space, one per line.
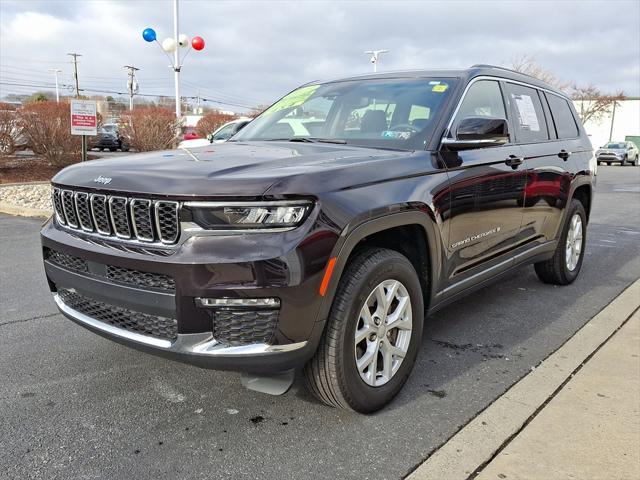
(56,71)
(132,83)
(75,76)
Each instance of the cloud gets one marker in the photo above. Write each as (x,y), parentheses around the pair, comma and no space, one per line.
(258,50)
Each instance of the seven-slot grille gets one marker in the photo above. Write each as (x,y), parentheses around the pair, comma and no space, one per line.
(140,219)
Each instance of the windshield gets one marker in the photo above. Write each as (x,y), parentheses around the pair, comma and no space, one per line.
(385,113)
(614,145)
(108,128)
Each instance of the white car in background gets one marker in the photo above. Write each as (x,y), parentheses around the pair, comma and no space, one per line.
(222,134)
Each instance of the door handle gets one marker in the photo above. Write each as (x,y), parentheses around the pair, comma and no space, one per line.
(563,154)
(514,161)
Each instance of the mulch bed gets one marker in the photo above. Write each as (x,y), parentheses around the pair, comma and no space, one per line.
(30,168)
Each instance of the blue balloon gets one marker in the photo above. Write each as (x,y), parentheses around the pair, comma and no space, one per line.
(149,34)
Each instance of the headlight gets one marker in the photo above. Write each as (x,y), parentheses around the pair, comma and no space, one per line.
(247,215)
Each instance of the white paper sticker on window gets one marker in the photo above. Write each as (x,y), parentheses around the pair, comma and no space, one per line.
(527,113)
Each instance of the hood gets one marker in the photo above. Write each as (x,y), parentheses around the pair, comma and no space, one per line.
(237,169)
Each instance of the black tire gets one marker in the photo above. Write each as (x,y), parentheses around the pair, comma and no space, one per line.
(331,374)
(555,270)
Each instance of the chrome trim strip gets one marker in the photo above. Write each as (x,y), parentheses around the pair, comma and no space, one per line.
(150,206)
(110,329)
(75,199)
(113,223)
(64,209)
(189,344)
(195,229)
(258,203)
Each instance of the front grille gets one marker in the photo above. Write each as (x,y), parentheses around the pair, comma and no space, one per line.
(239,327)
(124,318)
(139,278)
(125,218)
(123,275)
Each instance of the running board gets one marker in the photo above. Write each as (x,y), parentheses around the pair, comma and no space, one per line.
(276,384)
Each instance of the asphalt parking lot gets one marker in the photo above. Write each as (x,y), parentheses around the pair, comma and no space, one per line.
(73,405)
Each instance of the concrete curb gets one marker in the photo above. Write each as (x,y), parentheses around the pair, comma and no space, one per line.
(24,211)
(476,443)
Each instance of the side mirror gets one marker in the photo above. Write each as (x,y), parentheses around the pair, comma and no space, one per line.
(478,132)
(210,137)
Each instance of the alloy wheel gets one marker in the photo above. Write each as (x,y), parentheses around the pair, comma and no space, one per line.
(383,333)
(573,247)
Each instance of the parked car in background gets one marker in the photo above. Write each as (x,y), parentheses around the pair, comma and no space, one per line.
(109,138)
(618,152)
(189,133)
(222,134)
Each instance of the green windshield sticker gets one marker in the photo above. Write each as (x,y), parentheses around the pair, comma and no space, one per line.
(295,98)
(441,87)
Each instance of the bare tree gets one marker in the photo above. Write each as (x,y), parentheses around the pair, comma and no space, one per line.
(592,104)
(527,64)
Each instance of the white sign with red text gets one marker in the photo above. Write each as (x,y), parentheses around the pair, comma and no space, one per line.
(84,120)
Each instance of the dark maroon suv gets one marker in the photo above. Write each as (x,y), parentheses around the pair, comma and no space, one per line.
(322,235)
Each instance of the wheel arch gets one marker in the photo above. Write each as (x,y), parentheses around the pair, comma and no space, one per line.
(423,254)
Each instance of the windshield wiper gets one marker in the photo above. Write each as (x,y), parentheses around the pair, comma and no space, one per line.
(318,140)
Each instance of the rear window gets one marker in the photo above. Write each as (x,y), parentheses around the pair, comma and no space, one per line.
(528,115)
(563,119)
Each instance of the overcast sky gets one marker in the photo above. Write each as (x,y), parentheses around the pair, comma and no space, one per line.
(256,51)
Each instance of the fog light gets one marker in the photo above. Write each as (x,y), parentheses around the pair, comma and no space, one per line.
(269,302)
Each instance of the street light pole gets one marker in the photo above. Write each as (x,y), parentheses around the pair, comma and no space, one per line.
(375,55)
(176,59)
(55,72)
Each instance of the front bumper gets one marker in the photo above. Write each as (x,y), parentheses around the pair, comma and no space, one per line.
(285,265)
(608,158)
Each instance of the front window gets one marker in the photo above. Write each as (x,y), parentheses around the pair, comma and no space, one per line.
(383,113)
(615,145)
(225,132)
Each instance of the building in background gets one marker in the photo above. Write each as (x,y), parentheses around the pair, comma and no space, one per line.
(623,123)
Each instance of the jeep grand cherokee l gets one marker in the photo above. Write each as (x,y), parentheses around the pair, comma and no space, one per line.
(322,235)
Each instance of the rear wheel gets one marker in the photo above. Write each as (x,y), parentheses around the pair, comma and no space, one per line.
(373,333)
(564,266)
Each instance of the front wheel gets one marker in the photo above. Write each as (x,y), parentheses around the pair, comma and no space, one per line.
(623,163)
(372,335)
(564,266)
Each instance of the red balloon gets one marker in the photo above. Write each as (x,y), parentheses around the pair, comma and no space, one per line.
(197,43)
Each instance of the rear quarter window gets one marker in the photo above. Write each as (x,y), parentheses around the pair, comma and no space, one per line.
(565,123)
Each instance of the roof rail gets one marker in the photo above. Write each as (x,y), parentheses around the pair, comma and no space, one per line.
(486,65)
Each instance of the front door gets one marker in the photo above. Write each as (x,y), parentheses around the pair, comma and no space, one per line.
(486,191)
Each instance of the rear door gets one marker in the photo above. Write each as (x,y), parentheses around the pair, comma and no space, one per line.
(486,191)
(549,136)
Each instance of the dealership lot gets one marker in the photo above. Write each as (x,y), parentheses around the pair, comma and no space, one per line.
(74,405)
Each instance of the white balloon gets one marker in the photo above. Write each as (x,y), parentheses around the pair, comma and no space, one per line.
(169,45)
(183,40)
